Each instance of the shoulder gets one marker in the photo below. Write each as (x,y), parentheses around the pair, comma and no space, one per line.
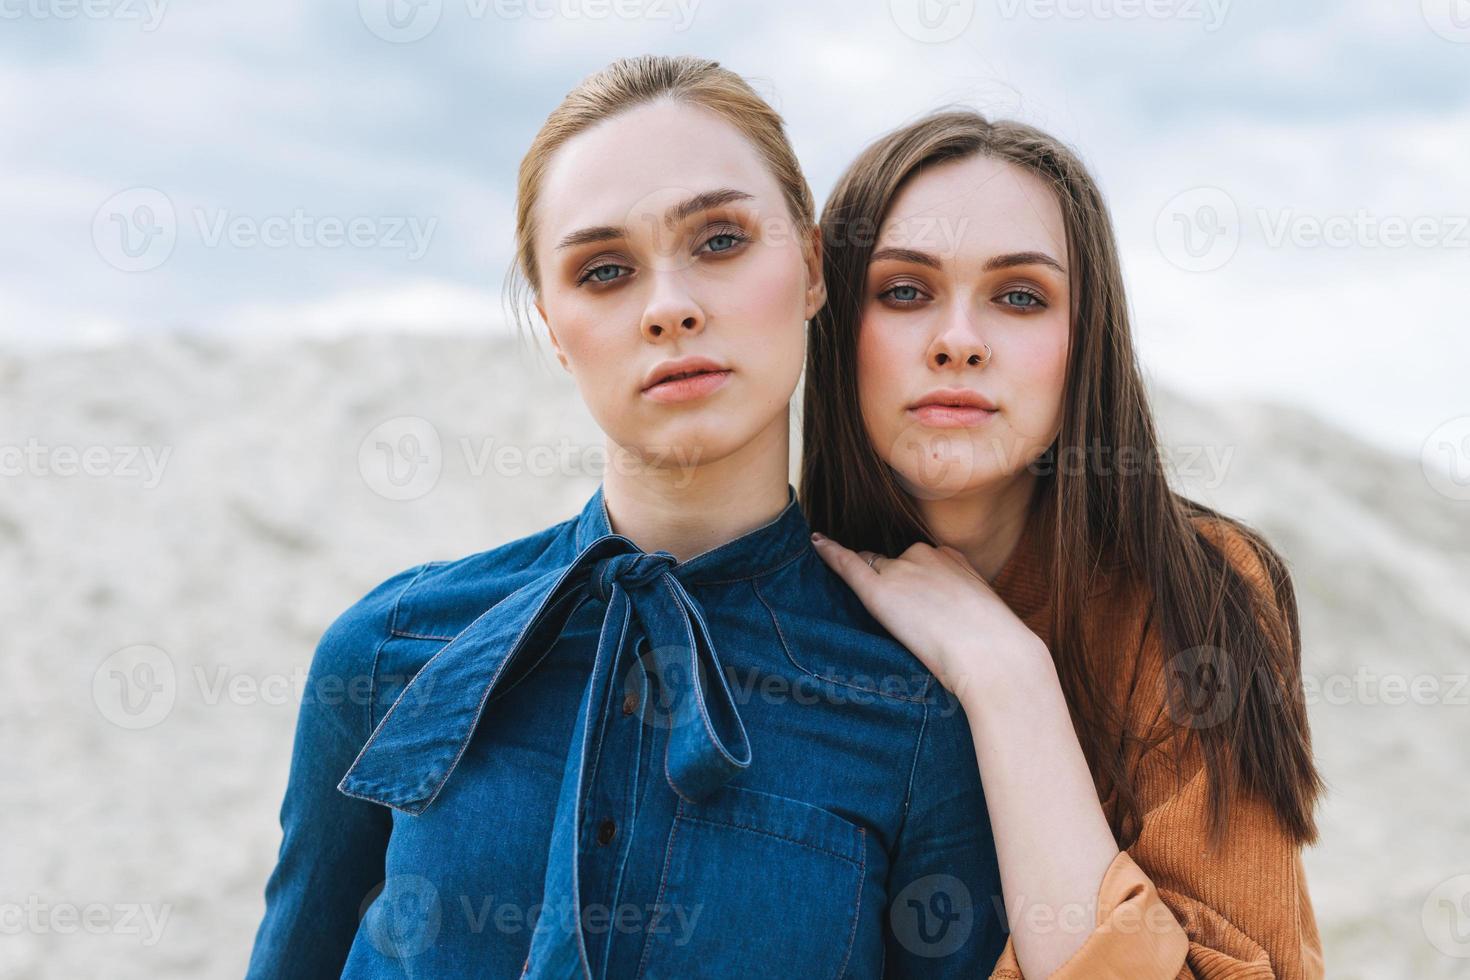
(828,632)
(1245,549)
(435,600)
(1134,659)
(446,596)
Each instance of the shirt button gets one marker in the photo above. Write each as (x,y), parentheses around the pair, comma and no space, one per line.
(630,702)
(605,830)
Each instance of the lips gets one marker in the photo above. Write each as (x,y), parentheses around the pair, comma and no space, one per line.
(682,368)
(955,398)
(682,375)
(685,379)
(953,408)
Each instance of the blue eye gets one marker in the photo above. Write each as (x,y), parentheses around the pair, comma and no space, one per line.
(1022,299)
(601,273)
(724,241)
(904,294)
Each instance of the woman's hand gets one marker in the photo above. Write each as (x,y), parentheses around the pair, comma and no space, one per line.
(934,602)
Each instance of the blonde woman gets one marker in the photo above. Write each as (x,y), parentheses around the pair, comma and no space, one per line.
(660,738)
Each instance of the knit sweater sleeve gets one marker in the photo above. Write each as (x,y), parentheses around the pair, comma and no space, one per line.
(1170,908)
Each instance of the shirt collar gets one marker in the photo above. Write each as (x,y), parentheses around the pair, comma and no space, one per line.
(753,553)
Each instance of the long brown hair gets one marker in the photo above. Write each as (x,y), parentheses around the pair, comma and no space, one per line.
(1100,520)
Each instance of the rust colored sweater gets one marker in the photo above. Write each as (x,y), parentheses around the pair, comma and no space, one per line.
(1167,907)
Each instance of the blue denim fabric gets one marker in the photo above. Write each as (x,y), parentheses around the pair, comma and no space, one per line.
(726,765)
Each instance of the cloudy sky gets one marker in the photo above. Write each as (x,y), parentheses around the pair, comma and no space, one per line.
(1290,182)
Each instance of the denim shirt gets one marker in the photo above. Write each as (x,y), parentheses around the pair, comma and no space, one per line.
(568,757)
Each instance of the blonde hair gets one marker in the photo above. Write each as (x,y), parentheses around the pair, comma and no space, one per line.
(631,82)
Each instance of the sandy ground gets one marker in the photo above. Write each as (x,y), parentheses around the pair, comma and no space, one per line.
(189,516)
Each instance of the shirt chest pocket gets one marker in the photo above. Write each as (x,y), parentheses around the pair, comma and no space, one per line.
(757,885)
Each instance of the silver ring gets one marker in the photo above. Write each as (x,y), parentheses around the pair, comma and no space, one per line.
(872,558)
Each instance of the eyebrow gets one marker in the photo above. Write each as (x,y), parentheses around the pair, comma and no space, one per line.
(689,206)
(1008,261)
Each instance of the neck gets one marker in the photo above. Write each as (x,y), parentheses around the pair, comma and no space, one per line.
(688,510)
(985,524)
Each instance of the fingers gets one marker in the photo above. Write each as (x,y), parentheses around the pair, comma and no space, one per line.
(851,566)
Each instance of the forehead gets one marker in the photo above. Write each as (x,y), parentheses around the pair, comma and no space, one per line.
(640,161)
(977,205)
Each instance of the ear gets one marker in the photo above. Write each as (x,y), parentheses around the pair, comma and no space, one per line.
(556,344)
(816,290)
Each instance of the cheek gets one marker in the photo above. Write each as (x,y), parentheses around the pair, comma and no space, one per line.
(581,330)
(882,363)
(758,316)
(1038,371)
(767,294)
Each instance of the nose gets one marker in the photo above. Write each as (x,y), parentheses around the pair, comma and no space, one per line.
(959,343)
(670,310)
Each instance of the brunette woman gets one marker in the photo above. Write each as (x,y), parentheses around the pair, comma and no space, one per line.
(978,442)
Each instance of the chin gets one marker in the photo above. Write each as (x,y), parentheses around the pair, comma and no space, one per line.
(940,467)
(692,441)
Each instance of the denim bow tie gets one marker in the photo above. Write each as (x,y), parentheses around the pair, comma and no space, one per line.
(417,745)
